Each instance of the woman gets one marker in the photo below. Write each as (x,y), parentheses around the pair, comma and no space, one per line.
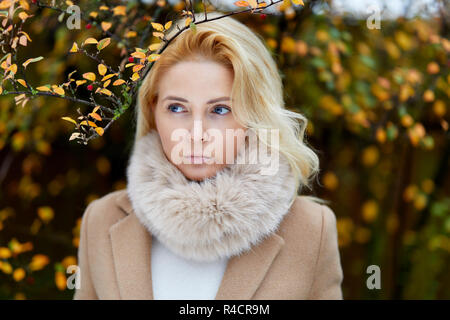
(222,219)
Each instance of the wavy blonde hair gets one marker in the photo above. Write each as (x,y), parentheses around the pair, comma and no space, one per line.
(257,87)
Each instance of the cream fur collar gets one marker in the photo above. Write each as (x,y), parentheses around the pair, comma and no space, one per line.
(215,218)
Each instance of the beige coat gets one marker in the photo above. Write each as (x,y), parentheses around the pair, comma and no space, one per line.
(300,261)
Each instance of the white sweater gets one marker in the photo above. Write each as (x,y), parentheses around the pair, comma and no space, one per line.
(174,277)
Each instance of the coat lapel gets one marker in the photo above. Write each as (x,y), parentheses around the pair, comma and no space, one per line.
(131,245)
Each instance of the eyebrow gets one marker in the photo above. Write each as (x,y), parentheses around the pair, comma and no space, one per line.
(184,100)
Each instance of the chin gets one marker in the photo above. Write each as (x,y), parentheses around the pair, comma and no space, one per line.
(199,172)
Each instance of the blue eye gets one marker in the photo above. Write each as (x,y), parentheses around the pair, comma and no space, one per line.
(222,108)
(170,107)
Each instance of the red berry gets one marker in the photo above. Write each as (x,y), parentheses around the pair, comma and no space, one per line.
(90,87)
(130,59)
(263,16)
(34,1)
(88,26)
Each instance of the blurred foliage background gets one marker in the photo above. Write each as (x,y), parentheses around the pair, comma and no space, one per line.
(377,102)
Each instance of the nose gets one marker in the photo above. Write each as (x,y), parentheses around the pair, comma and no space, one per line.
(197,132)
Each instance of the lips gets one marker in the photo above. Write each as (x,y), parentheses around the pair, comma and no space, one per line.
(198,159)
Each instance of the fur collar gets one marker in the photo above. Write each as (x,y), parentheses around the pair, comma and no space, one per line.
(216,218)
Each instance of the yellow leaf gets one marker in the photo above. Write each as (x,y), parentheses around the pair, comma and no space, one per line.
(158,35)
(100,131)
(168,25)
(153,57)
(90,41)
(130,34)
(103,43)
(106,91)
(188,21)
(80,82)
(5,4)
(157,26)
(108,76)
(74,47)
(137,67)
(96,116)
(93,14)
(118,82)
(38,262)
(22,82)
(18,274)
(5,253)
(24,4)
(89,76)
(106,83)
(59,91)
(23,16)
(46,213)
(43,88)
(106,26)
(253,3)
(139,55)
(298,2)
(102,69)
(13,68)
(69,119)
(60,280)
(135,76)
(95,109)
(154,46)
(119,10)
(129,64)
(84,123)
(103,8)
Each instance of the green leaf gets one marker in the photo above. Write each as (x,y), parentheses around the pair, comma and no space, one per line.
(103,43)
(368,61)
(61,17)
(193,26)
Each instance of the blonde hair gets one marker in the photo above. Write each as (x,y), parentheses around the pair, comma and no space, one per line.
(257,87)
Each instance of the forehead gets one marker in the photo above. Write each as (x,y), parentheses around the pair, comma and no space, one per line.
(188,77)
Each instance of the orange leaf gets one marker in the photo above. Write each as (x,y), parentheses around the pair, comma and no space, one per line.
(22,82)
(137,67)
(158,35)
(106,25)
(120,10)
(84,123)
(118,82)
(241,3)
(90,41)
(100,131)
(96,116)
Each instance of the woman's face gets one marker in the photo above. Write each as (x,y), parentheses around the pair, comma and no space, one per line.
(194,103)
